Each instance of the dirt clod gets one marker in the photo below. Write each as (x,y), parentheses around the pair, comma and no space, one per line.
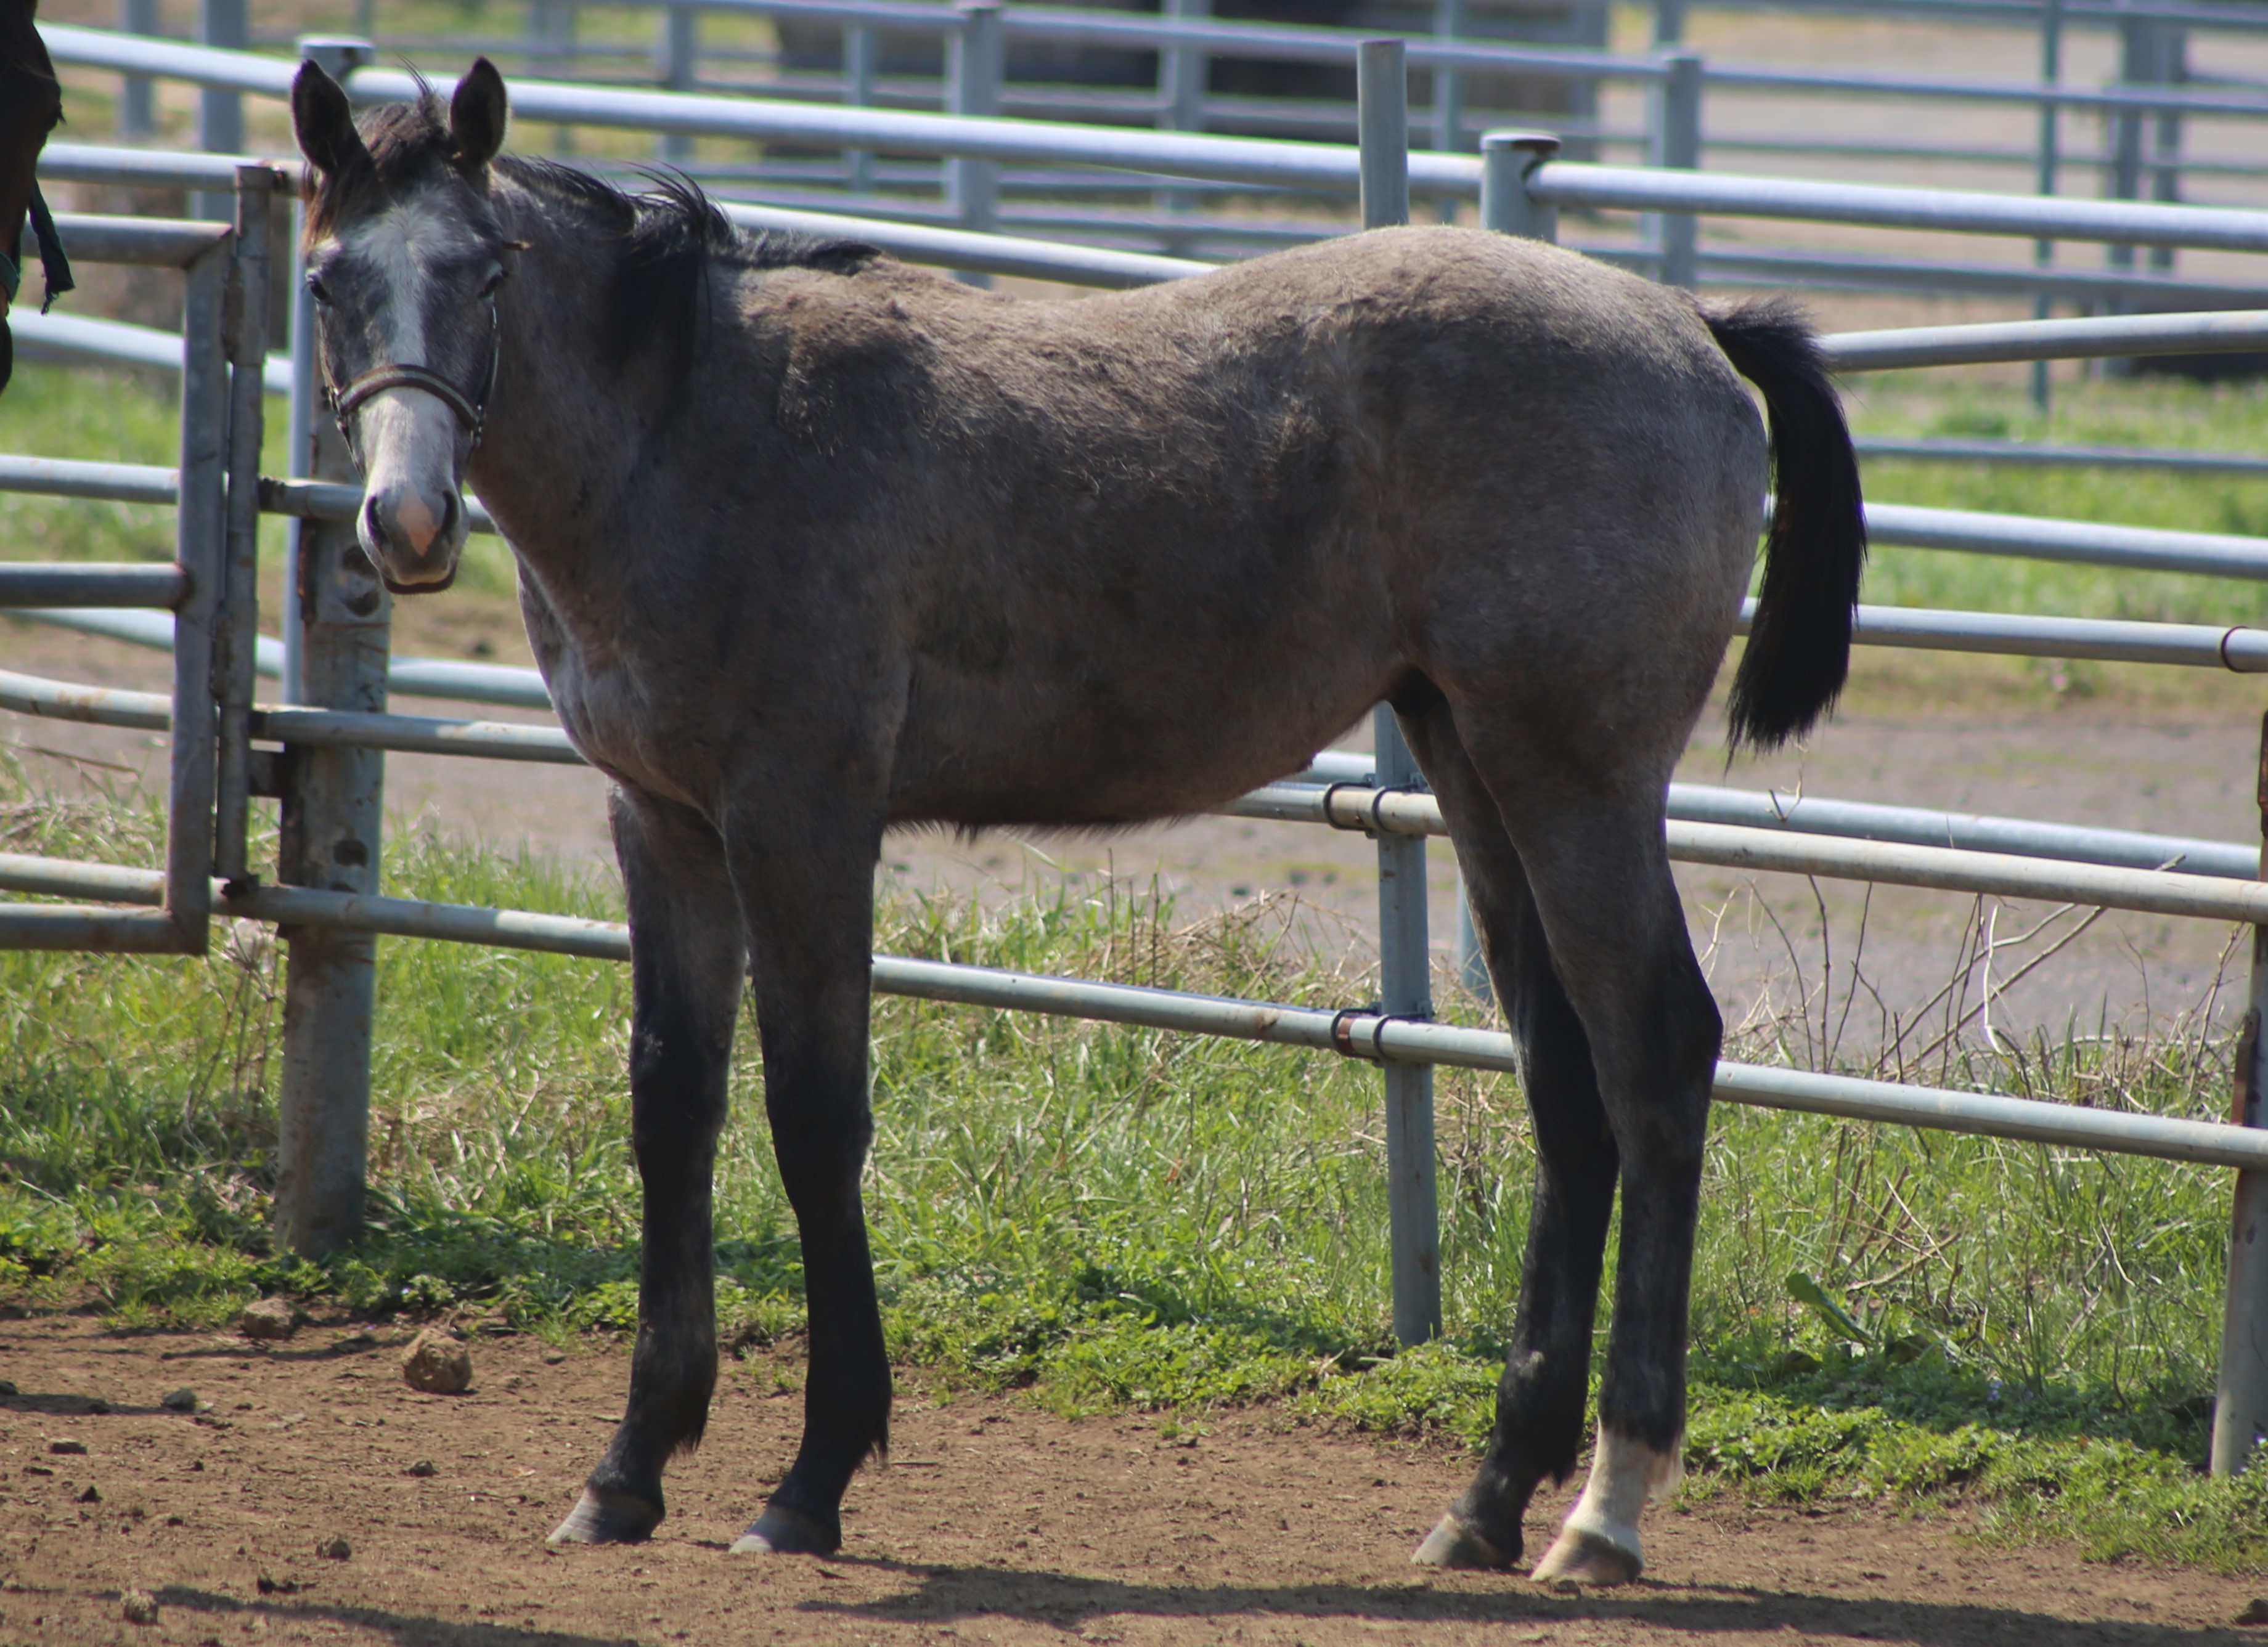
(181,1401)
(335,1549)
(92,1496)
(2256,1610)
(438,1365)
(268,1321)
(138,1606)
(67,1445)
(422,1467)
(7,1387)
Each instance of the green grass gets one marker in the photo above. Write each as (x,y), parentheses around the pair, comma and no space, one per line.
(2152,412)
(1109,1217)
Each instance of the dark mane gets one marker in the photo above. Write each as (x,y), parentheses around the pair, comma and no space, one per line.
(669,236)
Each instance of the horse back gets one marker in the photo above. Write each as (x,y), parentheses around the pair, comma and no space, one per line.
(1124,556)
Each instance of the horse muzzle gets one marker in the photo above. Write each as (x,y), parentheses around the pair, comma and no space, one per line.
(412,536)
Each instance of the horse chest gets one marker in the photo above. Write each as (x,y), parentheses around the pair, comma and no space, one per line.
(608,718)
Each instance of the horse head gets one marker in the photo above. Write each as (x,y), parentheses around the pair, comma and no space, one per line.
(30,106)
(406,264)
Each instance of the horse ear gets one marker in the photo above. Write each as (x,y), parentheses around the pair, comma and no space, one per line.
(324,121)
(477,114)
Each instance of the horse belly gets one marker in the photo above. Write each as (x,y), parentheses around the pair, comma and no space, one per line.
(1154,743)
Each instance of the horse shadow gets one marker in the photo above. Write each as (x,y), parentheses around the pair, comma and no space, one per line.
(423,1631)
(1066,1602)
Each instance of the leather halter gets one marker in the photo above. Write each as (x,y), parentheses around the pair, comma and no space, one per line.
(472,413)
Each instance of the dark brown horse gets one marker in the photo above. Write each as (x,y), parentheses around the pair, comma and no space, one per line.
(813,544)
(30,106)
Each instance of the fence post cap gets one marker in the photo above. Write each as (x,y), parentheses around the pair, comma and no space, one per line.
(338,54)
(1539,145)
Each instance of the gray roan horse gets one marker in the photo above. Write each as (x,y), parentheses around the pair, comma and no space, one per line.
(812,544)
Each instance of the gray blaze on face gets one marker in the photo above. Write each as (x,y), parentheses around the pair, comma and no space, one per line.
(411,285)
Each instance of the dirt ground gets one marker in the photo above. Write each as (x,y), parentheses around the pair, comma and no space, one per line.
(993,1522)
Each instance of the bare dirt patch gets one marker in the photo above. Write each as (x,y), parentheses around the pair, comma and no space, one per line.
(994,1521)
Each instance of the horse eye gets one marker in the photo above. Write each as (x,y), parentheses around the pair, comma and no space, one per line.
(494,279)
(316,290)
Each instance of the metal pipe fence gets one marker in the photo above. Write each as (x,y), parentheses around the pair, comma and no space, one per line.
(335,728)
(973,83)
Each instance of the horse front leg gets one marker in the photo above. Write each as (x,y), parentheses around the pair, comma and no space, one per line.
(806,877)
(687,960)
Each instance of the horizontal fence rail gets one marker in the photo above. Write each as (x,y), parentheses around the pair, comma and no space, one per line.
(1255,161)
(92,584)
(1372,1035)
(1312,44)
(1784,846)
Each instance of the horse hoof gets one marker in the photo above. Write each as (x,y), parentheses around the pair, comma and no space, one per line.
(1453,1544)
(781,1531)
(607,1517)
(1587,1558)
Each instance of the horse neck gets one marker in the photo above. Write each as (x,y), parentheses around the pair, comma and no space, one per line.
(562,423)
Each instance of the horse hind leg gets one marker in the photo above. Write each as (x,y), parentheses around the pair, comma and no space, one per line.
(1591,839)
(1540,1398)
(685,966)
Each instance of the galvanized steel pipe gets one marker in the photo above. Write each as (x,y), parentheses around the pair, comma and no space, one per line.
(1389,1040)
(63,584)
(2091,337)
(1732,195)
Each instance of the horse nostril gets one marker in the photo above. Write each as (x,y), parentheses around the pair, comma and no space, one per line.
(373,523)
(452,508)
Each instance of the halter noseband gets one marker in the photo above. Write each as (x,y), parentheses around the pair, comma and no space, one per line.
(472,413)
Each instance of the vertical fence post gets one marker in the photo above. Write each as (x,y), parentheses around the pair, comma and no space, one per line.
(1506,159)
(332,803)
(338,56)
(2051,157)
(2125,180)
(1405,957)
(858,92)
(677,60)
(1678,143)
(1449,24)
(972,187)
(235,635)
(201,546)
(2239,1404)
(1182,71)
(137,107)
(2171,64)
(220,114)
(550,49)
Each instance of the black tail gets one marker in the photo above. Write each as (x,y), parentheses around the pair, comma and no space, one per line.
(1799,649)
